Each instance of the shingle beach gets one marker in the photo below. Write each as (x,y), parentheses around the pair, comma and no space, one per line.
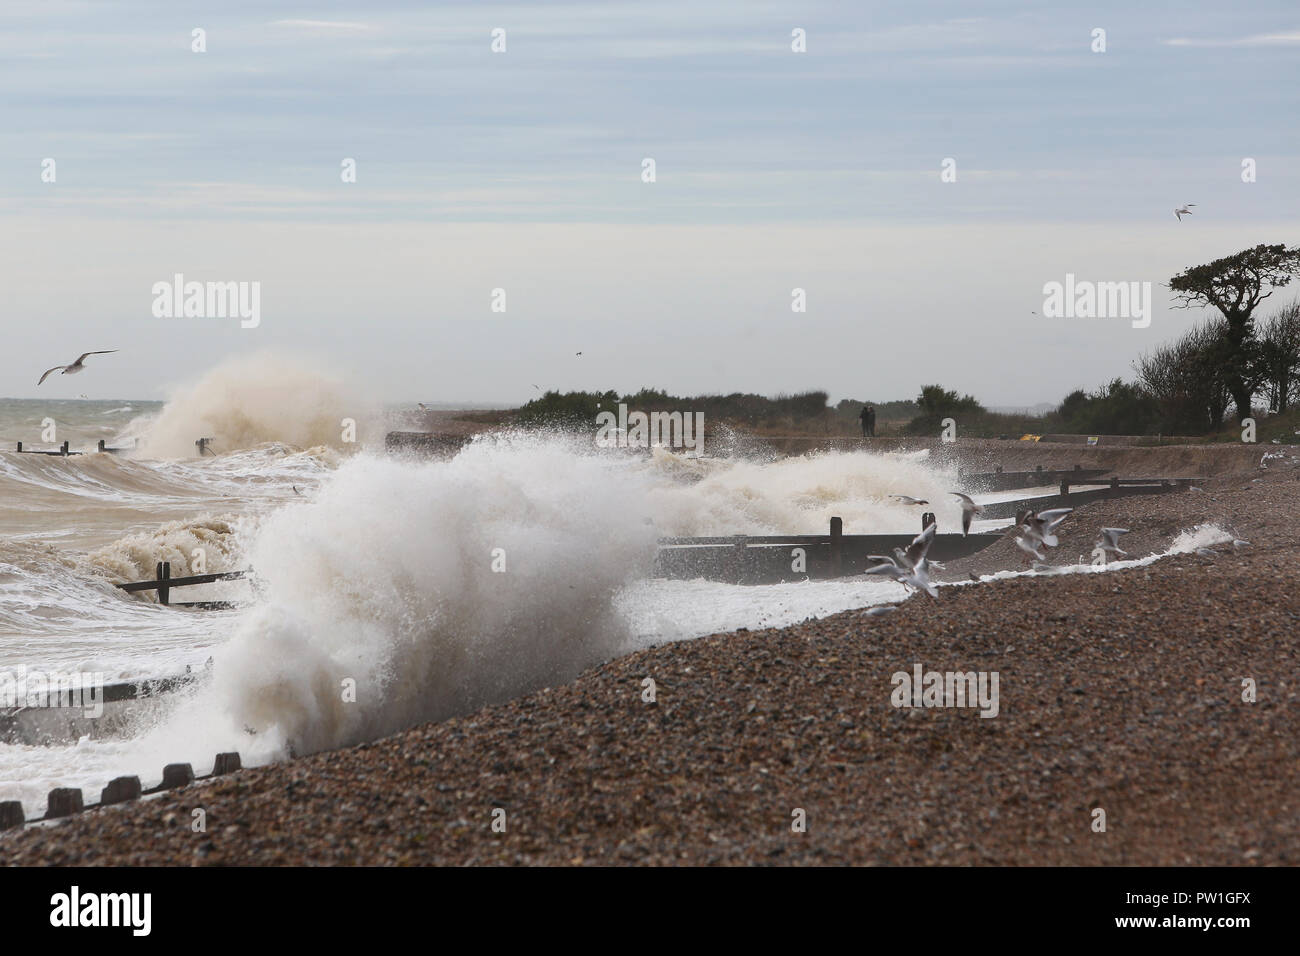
(1120,691)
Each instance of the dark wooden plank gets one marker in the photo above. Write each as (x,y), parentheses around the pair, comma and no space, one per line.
(183,582)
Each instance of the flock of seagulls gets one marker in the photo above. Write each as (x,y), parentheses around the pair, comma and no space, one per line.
(1034,531)
(969,509)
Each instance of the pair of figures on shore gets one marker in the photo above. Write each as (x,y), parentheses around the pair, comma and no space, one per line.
(868,419)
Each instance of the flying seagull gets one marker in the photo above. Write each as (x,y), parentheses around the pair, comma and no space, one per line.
(910,567)
(75,367)
(1185,211)
(1030,548)
(577,353)
(1039,529)
(1108,543)
(909,500)
(969,509)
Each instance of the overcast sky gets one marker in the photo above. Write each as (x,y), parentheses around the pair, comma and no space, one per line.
(522,170)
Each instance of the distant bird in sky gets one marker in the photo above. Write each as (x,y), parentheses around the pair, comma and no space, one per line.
(909,500)
(75,367)
(969,509)
(577,353)
(538,387)
(1185,211)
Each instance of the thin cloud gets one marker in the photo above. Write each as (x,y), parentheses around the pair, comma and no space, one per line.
(325,27)
(1259,39)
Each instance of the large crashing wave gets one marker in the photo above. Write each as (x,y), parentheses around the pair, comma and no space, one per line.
(432,588)
(250,400)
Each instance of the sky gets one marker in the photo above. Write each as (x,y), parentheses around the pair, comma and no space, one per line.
(522,171)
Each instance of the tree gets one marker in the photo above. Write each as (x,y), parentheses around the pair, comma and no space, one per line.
(1115,409)
(1235,285)
(1187,379)
(1277,357)
(937,403)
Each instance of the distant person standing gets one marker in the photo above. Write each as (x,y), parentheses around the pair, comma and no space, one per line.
(868,418)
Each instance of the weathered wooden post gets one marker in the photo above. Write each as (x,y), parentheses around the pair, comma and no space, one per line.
(164,574)
(11,814)
(177,775)
(225,763)
(1114,481)
(64,802)
(64,449)
(837,546)
(736,557)
(120,790)
(1065,486)
(101,444)
(20,448)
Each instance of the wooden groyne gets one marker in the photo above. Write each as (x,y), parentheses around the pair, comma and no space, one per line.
(1068,498)
(67,801)
(62,718)
(164,582)
(63,451)
(773,559)
(999,480)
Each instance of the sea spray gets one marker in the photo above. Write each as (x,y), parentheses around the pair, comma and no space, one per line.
(426,589)
(208,541)
(264,397)
(800,494)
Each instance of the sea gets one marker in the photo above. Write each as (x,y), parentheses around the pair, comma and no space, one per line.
(390,590)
